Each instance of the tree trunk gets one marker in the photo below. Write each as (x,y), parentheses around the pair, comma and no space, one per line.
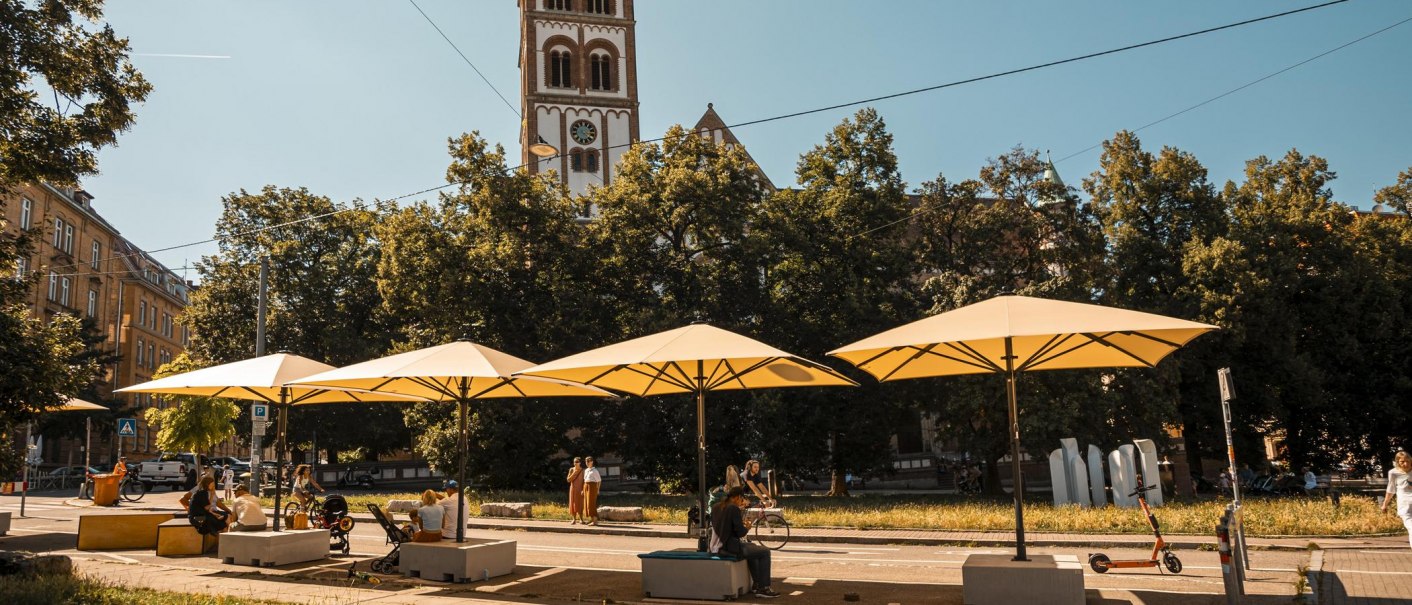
(992,478)
(838,484)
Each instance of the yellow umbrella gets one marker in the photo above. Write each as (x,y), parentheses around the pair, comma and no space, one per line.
(1013,334)
(72,404)
(460,372)
(691,359)
(269,379)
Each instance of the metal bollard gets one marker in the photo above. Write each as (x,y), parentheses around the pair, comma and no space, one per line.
(1228,561)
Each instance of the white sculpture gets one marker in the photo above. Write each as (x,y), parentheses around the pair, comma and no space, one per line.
(1057,479)
(1095,476)
(1123,474)
(1148,465)
(1076,472)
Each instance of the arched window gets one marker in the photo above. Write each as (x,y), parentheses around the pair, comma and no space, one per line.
(561,69)
(558,5)
(591,160)
(576,159)
(601,7)
(601,72)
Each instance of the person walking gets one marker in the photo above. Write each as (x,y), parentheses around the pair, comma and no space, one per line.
(592,480)
(575,480)
(1398,483)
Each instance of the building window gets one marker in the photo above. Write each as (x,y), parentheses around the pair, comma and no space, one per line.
(21,267)
(93,303)
(58,234)
(152,317)
(141,360)
(97,251)
(152,356)
(68,239)
(591,160)
(141,312)
(576,159)
(558,5)
(26,213)
(561,69)
(53,286)
(64,291)
(601,70)
(601,7)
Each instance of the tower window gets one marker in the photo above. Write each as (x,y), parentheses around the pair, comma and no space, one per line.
(601,7)
(561,69)
(591,160)
(558,5)
(576,160)
(601,69)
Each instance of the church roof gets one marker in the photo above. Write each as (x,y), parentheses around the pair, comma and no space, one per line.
(712,124)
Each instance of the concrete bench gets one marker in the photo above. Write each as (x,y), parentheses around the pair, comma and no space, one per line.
(620,513)
(691,574)
(178,537)
(515,510)
(4,523)
(269,549)
(119,531)
(402,506)
(996,579)
(450,561)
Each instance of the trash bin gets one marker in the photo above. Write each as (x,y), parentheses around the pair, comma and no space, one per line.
(105,489)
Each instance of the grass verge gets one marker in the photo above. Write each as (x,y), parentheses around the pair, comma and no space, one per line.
(1273,517)
(82,590)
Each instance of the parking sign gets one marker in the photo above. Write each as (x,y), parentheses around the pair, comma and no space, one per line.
(259,412)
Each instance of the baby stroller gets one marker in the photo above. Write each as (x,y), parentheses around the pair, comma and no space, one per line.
(332,514)
(395,536)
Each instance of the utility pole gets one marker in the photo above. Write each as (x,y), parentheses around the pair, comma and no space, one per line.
(255,432)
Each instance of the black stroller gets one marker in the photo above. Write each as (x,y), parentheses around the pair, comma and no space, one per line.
(332,514)
(395,536)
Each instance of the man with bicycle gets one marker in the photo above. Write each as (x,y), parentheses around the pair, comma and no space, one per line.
(728,526)
(755,482)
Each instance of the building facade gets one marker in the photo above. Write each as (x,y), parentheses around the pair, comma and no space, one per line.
(578,87)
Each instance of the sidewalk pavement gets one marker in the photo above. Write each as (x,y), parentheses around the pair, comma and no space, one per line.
(1365,577)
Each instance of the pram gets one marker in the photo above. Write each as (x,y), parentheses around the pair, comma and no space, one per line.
(395,536)
(331,513)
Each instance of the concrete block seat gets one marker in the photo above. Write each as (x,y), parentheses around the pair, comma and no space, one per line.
(178,537)
(997,579)
(120,531)
(4,523)
(620,513)
(691,574)
(450,561)
(515,510)
(269,549)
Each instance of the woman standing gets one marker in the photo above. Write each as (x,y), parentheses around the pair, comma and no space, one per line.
(575,480)
(1398,483)
(591,482)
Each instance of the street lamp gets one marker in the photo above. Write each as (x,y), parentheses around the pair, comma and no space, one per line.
(542,148)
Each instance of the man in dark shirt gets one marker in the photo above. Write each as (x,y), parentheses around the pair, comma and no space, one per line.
(729,525)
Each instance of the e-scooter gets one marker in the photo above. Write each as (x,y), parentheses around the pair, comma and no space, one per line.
(1101,563)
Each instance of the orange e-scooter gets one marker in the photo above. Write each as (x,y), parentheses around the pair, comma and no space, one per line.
(1101,563)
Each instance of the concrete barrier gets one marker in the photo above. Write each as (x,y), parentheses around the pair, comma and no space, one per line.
(999,580)
(402,506)
(119,531)
(177,538)
(690,574)
(4,523)
(515,510)
(269,549)
(450,561)
(620,513)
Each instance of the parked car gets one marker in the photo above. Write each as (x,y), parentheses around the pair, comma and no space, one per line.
(233,463)
(74,471)
(175,470)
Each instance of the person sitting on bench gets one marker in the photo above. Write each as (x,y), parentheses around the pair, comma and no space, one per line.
(426,521)
(248,515)
(208,514)
(729,526)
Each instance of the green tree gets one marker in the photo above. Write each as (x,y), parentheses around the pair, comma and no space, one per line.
(62,46)
(194,424)
(839,269)
(323,302)
(674,246)
(500,261)
(1014,229)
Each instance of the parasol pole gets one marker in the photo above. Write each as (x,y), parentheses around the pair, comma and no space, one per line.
(461,473)
(1019,489)
(701,446)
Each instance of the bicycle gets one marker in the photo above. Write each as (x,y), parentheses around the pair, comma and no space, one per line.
(768,529)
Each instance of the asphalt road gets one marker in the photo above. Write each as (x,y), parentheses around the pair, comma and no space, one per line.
(567,566)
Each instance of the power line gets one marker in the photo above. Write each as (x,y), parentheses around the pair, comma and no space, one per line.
(779,117)
(464,58)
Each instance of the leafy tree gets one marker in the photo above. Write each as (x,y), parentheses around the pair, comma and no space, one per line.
(674,246)
(323,303)
(193,424)
(1399,195)
(57,44)
(1013,230)
(834,276)
(500,261)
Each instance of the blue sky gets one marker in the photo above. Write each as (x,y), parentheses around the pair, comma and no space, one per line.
(356,100)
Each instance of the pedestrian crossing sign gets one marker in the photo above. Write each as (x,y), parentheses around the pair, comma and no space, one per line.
(127,427)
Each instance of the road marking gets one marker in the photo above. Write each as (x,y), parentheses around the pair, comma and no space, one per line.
(1381,573)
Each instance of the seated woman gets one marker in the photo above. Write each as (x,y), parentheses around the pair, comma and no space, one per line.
(427,519)
(208,514)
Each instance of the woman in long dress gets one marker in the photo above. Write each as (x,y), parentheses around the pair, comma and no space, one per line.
(575,480)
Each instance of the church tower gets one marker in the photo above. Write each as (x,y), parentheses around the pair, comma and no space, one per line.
(578,87)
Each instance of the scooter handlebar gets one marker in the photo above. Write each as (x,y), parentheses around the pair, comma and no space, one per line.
(1141,489)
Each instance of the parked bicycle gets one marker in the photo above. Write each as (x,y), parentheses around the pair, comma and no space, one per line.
(767,528)
(131,489)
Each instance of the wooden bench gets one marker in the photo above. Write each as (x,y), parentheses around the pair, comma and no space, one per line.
(268,548)
(178,537)
(120,531)
(691,574)
(451,561)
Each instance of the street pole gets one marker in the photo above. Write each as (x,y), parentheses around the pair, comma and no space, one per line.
(87,447)
(24,484)
(1227,394)
(260,309)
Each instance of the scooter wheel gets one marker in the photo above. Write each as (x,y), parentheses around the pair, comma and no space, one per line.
(1099,562)
(1173,564)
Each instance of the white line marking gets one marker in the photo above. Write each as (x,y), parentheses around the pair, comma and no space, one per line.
(1381,573)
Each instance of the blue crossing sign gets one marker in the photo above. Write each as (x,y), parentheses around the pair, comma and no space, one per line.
(127,427)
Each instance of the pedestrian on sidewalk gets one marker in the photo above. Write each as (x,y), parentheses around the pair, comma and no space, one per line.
(575,480)
(592,480)
(1399,484)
